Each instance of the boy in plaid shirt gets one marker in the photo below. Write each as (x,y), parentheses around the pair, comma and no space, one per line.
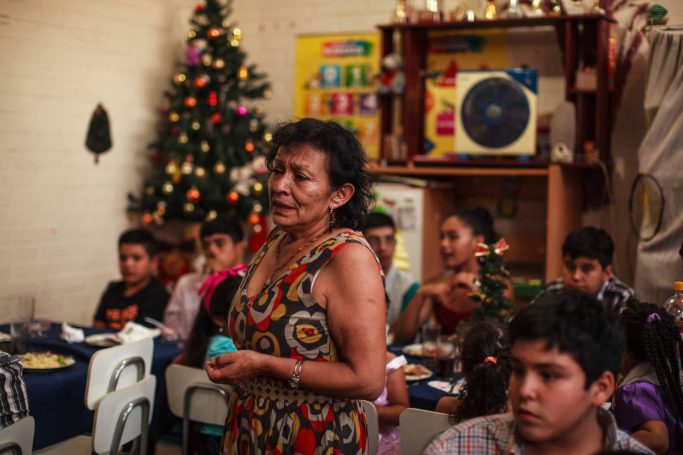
(566,352)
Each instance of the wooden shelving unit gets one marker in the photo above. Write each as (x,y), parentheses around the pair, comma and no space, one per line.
(557,189)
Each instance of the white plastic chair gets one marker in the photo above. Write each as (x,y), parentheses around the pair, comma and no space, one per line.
(373,425)
(193,397)
(109,370)
(18,437)
(418,428)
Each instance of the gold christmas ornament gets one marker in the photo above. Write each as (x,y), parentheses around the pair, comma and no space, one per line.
(243,73)
(267,94)
(212,215)
(173,116)
(267,136)
(218,63)
(161,205)
(253,125)
(186,168)
(258,110)
(206,60)
(131,215)
(167,188)
(219,168)
(179,78)
(204,146)
(258,208)
(258,228)
(188,207)
(235,42)
(182,138)
(149,190)
(237,33)
(196,125)
(199,171)
(258,188)
(171,167)
(191,34)
(158,218)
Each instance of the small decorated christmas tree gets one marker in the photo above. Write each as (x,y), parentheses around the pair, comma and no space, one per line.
(494,305)
(209,156)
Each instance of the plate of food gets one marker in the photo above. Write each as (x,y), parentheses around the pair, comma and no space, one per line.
(103,340)
(416,372)
(39,362)
(418,350)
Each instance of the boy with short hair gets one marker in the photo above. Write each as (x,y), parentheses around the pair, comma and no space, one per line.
(223,246)
(380,232)
(139,294)
(587,254)
(566,352)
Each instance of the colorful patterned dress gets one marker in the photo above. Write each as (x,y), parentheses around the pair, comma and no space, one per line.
(266,416)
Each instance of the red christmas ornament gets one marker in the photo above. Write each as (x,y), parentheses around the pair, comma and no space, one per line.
(258,238)
(193,194)
(190,102)
(249,146)
(216,118)
(200,82)
(147,218)
(232,197)
(188,158)
(213,99)
(253,219)
(199,8)
(213,33)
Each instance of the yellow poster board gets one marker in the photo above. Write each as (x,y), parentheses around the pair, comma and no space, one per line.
(450,52)
(335,79)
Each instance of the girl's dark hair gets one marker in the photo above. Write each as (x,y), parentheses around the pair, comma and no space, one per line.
(652,336)
(204,327)
(346,161)
(480,220)
(487,381)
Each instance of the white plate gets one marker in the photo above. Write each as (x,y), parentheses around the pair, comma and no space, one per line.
(414,350)
(421,374)
(66,361)
(103,340)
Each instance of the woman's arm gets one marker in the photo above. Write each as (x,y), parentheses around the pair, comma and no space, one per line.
(351,289)
(653,434)
(419,310)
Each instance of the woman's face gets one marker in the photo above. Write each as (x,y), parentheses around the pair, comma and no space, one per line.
(299,186)
(458,242)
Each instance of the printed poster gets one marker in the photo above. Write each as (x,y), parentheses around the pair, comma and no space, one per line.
(335,79)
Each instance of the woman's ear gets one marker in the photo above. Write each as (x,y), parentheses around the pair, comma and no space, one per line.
(342,195)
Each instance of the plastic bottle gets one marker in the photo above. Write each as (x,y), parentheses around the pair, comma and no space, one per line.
(674,305)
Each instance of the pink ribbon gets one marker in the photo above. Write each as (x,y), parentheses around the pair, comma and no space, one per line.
(209,284)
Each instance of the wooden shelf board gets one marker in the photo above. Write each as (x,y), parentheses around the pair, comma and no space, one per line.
(496,23)
(426,171)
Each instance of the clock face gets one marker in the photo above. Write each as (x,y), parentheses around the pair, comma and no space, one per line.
(561,153)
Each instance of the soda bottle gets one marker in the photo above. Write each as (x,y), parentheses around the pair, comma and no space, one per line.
(674,305)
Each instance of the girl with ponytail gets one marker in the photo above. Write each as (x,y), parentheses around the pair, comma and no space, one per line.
(486,368)
(649,400)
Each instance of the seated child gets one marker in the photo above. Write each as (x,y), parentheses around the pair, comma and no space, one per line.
(565,356)
(587,255)
(208,340)
(649,400)
(140,294)
(390,404)
(486,368)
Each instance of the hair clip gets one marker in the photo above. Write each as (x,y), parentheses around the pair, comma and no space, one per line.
(490,359)
(653,317)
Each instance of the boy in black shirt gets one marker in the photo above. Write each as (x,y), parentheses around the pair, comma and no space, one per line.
(140,294)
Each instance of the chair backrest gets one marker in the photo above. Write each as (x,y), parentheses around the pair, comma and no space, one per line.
(373,425)
(192,394)
(117,367)
(18,437)
(123,415)
(418,428)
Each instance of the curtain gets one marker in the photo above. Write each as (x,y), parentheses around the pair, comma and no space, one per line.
(658,264)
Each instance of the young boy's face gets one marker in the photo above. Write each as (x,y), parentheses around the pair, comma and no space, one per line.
(585,274)
(220,251)
(549,400)
(135,264)
(382,240)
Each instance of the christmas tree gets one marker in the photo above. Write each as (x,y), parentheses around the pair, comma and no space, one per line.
(209,155)
(494,305)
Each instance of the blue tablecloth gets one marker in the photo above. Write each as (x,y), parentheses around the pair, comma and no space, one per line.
(56,399)
(422,396)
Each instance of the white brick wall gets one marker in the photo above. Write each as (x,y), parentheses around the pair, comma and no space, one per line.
(60,214)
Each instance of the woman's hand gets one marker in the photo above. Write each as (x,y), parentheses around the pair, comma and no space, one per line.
(467,280)
(235,367)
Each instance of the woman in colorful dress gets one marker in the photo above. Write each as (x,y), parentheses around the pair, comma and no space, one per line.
(308,320)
